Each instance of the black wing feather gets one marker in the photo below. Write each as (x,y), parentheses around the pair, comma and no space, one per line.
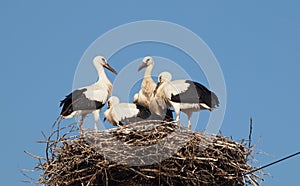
(169,115)
(144,112)
(78,101)
(196,93)
(74,95)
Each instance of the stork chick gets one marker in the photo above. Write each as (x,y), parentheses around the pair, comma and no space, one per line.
(148,85)
(119,114)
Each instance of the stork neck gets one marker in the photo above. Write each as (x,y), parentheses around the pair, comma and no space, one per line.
(148,71)
(101,74)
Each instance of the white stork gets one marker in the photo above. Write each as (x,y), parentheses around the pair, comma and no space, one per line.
(89,99)
(147,88)
(183,95)
(148,85)
(119,114)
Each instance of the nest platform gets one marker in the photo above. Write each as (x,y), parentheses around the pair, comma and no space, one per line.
(144,153)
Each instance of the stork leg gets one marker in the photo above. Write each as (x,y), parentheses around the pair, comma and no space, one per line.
(189,115)
(177,118)
(81,124)
(96,119)
(177,111)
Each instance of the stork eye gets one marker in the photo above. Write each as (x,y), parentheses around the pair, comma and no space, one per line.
(147,60)
(103,59)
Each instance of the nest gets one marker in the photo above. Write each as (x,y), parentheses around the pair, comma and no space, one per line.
(144,153)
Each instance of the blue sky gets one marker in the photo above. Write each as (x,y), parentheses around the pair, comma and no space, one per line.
(255,42)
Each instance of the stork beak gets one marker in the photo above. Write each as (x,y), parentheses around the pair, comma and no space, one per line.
(143,65)
(107,66)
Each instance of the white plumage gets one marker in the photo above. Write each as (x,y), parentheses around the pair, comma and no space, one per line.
(148,85)
(123,113)
(183,95)
(89,99)
(135,98)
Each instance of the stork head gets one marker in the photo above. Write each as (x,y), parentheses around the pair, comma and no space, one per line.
(101,61)
(164,77)
(113,100)
(147,61)
(136,98)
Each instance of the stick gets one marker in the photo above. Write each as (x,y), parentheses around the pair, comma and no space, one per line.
(250,133)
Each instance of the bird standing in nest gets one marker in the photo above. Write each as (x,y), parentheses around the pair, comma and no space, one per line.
(89,99)
(147,88)
(183,95)
(148,85)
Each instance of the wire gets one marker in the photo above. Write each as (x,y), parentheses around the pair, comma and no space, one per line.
(257,169)
(282,159)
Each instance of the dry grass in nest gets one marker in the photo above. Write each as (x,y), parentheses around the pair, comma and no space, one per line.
(144,153)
